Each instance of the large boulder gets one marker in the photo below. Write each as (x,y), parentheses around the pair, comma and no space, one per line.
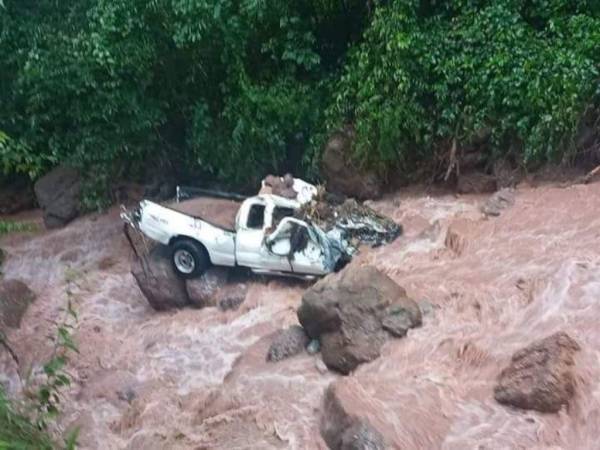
(343,429)
(58,194)
(341,175)
(353,313)
(287,343)
(15,298)
(498,202)
(15,195)
(158,281)
(540,376)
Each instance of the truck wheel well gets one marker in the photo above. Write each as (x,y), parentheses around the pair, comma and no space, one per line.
(175,239)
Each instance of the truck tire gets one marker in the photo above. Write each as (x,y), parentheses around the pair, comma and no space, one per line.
(189,258)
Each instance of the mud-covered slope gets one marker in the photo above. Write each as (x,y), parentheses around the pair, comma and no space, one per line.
(199,379)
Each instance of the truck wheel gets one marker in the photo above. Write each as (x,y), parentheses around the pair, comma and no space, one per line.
(189,258)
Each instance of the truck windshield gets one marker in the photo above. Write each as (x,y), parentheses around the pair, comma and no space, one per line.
(280,213)
(256,217)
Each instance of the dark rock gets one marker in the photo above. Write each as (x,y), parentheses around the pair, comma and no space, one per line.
(203,290)
(353,313)
(231,300)
(160,190)
(506,175)
(540,376)
(498,202)
(158,281)
(398,322)
(58,194)
(427,307)
(341,176)
(343,352)
(362,436)
(344,430)
(125,192)
(287,343)
(476,183)
(127,395)
(16,195)
(15,298)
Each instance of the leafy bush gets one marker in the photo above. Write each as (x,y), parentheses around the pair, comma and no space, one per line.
(25,424)
(17,431)
(429,73)
(16,157)
(221,88)
(230,90)
(9,226)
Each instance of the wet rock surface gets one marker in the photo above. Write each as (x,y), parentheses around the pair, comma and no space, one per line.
(359,223)
(158,281)
(287,343)
(341,176)
(58,194)
(16,195)
(201,380)
(541,376)
(362,436)
(230,300)
(476,183)
(343,428)
(202,291)
(15,298)
(353,313)
(498,202)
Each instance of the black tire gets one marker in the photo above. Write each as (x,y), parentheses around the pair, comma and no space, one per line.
(189,258)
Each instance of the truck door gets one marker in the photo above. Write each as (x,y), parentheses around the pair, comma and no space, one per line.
(250,249)
(293,239)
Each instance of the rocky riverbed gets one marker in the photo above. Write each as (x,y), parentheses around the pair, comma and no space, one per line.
(488,286)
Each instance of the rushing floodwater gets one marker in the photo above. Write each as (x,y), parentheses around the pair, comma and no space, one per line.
(199,379)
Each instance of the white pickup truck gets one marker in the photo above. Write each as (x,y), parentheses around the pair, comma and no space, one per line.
(267,239)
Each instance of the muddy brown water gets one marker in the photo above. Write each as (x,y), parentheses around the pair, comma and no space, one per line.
(199,379)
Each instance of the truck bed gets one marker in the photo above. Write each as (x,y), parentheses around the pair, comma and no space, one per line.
(217,212)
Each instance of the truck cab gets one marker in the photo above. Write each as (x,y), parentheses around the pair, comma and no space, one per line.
(266,234)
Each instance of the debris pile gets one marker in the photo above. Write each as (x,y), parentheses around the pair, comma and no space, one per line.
(346,221)
(358,223)
(288,187)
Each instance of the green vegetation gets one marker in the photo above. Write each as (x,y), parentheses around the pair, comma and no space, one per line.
(524,74)
(25,424)
(17,431)
(8,226)
(230,90)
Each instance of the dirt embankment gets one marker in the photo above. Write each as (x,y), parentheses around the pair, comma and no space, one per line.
(489,286)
